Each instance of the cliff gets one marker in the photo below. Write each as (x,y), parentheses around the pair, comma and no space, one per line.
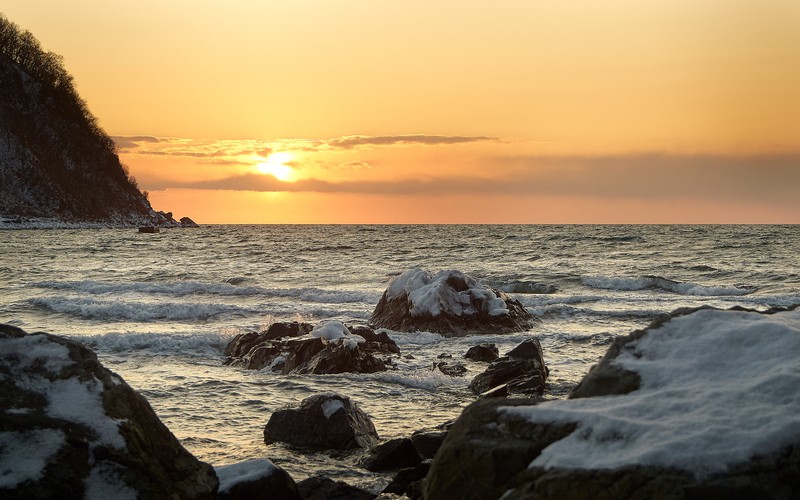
(55,160)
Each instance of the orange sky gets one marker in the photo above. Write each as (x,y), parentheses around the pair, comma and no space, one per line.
(444,111)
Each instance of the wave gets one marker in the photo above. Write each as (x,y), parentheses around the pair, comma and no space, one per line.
(162,344)
(529,287)
(114,310)
(230,289)
(668,285)
(419,379)
(568,311)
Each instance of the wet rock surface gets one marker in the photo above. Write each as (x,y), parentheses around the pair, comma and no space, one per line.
(521,372)
(322,422)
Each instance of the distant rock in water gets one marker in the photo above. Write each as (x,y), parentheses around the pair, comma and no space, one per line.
(701,404)
(450,303)
(56,162)
(299,348)
(322,422)
(70,428)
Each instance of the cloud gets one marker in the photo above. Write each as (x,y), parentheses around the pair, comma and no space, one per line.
(355,141)
(195,148)
(765,178)
(133,141)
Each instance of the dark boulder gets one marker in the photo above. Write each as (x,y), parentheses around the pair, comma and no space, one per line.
(87,430)
(408,482)
(254,480)
(427,443)
(323,488)
(322,422)
(394,454)
(450,369)
(299,348)
(482,352)
(522,371)
(450,303)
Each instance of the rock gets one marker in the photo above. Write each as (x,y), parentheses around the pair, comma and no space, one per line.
(187,222)
(322,422)
(450,369)
(522,371)
(450,303)
(300,348)
(482,352)
(255,479)
(408,482)
(323,488)
(427,443)
(711,355)
(393,454)
(72,428)
(485,450)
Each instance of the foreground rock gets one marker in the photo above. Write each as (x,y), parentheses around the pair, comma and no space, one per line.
(661,416)
(255,479)
(322,422)
(394,454)
(521,372)
(299,348)
(323,488)
(450,303)
(70,428)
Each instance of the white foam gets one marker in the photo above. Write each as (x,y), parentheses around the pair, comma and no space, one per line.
(717,387)
(155,343)
(243,472)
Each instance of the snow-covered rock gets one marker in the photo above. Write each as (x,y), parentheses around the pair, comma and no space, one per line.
(450,303)
(69,428)
(330,347)
(703,403)
(322,422)
(255,479)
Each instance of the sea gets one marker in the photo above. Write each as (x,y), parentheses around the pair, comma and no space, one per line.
(159,309)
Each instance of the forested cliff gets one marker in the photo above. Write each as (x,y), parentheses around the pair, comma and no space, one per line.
(55,160)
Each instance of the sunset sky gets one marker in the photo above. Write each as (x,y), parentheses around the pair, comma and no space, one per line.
(440,111)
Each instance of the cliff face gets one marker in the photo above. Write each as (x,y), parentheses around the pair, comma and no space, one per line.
(55,161)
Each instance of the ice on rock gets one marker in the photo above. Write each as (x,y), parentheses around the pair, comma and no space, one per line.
(336,332)
(247,471)
(447,291)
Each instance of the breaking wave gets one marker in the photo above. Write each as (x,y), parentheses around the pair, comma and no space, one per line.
(184,288)
(668,285)
(162,344)
(114,310)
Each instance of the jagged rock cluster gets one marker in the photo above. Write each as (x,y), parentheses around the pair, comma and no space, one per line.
(299,348)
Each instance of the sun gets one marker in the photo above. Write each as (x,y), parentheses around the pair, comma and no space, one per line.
(276,166)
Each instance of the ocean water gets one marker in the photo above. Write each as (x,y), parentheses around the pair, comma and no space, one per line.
(160,308)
